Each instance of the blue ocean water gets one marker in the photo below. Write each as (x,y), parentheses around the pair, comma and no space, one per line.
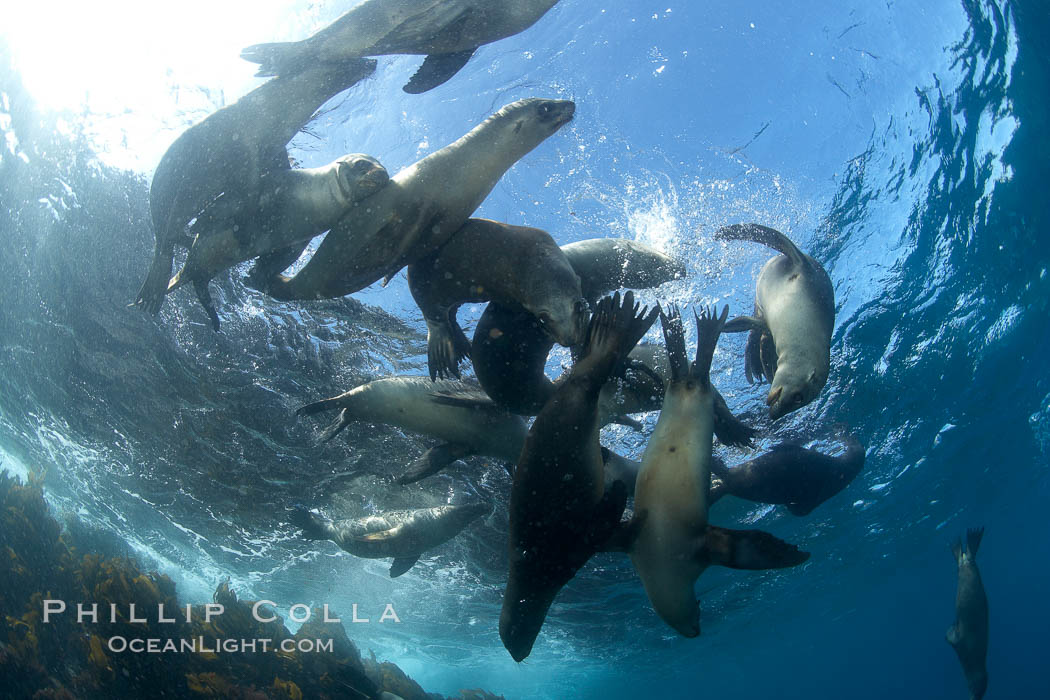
(903,145)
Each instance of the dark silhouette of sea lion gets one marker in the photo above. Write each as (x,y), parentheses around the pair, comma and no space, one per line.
(969,635)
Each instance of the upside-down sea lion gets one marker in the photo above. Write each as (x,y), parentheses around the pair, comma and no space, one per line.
(422,205)
(560,511)
(790,339)
(225,156)
(790,475)
(448,32)
(293,206)
(674,543)
(969,635)
(510,347)
(409,403)
(514,266)
(401,534)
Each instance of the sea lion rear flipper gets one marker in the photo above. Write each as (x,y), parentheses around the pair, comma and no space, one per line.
(957,549)
(747,549)
(973,540)
(204,295)
(402,564)
(432,461)
(764,235)
(729,429)
(337,426)
(437,69)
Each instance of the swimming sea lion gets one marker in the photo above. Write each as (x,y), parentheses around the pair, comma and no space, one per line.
(409,403)
(293,207)
(226,155)
(607,264)
(674,542)
(402,534)
(510,348)
(448,32)
(790,340)
(422,205)
(515,266)
(791,475)
(560,511)
(969,635)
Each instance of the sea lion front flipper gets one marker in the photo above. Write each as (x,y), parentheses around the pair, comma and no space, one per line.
(623,537)
(770,237)
(973,540)
(437,69)
(741,324)
(272,264)
(952,635)
(752,358)
(767,353)
(204,295)
(463,399)
(155,286)
(432,461)
(747,549)
(442,354)
(626,420)
(337,426)
(729,429)
(402,564)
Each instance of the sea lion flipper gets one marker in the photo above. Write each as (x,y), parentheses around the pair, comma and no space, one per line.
(747,549)
(674,341)
(623,536)
(402,564)
(278,58)
(770,237)
(973,540)
(709,325)
(442,354)
(337,426)
(378,535)
(752,358)
(628,421)
(155,286)
(615,328)
(272,264)
(800,509)
(767,354)
(741,324)
(432,461)
(437,69)
(729,429)
(952,635)
(204,295)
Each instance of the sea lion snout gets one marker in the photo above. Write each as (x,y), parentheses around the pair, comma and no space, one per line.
(360,176)
(556,112)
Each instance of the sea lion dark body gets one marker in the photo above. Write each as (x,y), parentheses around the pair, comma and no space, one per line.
(510,347)
(514,266)
(448,32)
(423,205)
(401,534)
(791,475)
(969,635)
(790,333)
(410,403)
(228,153)
(673,542)
(294,206)
(560,511)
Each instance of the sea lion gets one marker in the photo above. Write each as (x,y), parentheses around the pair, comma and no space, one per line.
(969,635)
(790,339)
(447,32)
(674,543)
(509,351)
(402,534)
(293,207)
(790,475)
(514,266)
(560,511)
(221,161)
(409,403)
(607,264)
(422,205)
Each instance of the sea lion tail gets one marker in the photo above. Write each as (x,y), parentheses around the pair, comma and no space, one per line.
(708,328)
(615,328)
(279,58)
(748,549)
(973,540)
(314,526)
(766,236)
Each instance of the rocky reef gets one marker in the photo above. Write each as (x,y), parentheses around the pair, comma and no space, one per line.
(57,655)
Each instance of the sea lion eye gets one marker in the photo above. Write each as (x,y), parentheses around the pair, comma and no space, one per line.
(545,108)
(797,399)
(545,319)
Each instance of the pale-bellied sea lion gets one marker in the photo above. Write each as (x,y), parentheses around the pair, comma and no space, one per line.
(225,156)
(402,534)
(514,266)
(409,403)
(673,542)
(447,32)
(790,475)
(293,207)
(969,635)
(560,511)
(510,348)
(422,205)
(790,339)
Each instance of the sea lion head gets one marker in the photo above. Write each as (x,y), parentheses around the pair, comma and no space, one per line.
(359,176)
(793,387)
(532,120)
